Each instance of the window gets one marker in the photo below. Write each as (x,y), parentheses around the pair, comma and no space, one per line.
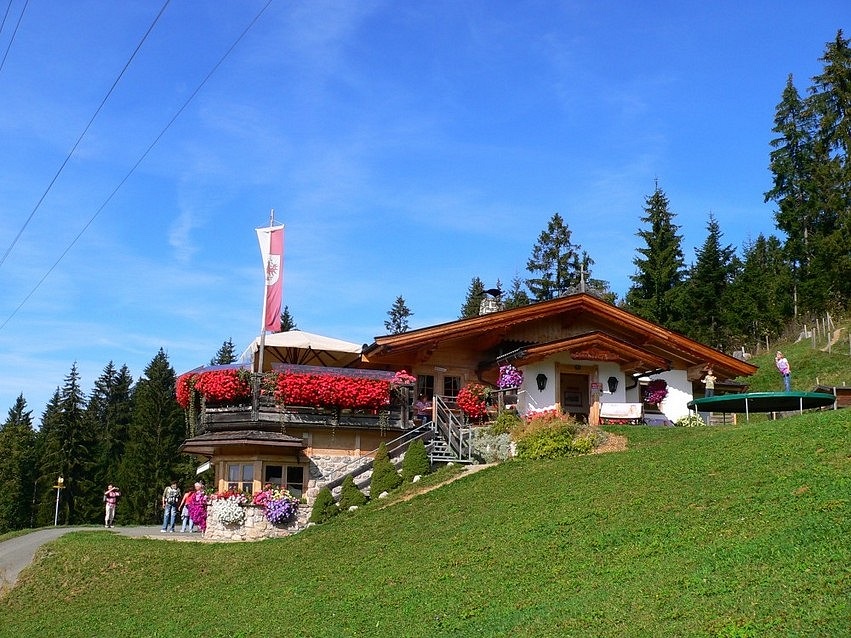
(425,385)
(451,385)
(241,477)
(294,475)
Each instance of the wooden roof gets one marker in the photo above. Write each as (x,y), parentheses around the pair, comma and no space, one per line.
(613,334)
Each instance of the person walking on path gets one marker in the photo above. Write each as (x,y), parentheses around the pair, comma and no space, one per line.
(171,497)
(110,498)
(783,366)
(184,512)
(709,383)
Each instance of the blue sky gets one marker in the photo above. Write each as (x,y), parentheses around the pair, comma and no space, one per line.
(407,147)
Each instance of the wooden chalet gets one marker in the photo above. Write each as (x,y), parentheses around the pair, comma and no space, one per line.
(578,354)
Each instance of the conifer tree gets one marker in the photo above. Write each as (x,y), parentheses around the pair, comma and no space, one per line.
(17,468)
(475,294)
(152,458)
(324,507)
(555,260)
(350,495)
(110,410)
(709,278)
(398,321)
(69,452)
(516,295)
(657,282)
(416,461)
(225,355)
(385,478)
(48,461)
(287,321)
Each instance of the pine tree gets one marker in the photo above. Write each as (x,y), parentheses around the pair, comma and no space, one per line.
(516,296)
(708,281)
(385,478)
(69,452)
(399,313)
(152,458)
(17,468)
(225,355)
(830,103)
(110,410)
(48,461)
(416,461)
(287,321)
(556,261)
(350,495)
(475,294)
(793,163)
(759,300)
(657,282)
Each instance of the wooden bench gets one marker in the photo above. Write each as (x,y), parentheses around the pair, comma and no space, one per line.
(621,413)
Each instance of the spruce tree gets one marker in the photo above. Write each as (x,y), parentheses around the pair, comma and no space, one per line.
(48,461)
(152,458)
(398,321)
(555,260)
(475,294)
(110,410)
(225,355)
(17,468)
(385,478)
(416,461)
(350,495)
(287,321)
(516,295)
(657,282)
(324,507)
(709,278)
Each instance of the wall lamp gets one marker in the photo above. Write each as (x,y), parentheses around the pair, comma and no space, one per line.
(541,380)
(613,384)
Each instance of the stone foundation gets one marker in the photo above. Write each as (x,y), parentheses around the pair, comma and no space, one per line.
(255,526)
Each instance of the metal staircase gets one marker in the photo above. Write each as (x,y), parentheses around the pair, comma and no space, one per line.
(453,438)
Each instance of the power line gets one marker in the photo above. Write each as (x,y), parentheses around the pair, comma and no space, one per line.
(139,161)
(80,138)
(14,33)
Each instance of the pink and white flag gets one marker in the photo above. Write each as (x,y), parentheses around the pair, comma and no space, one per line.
(272,250)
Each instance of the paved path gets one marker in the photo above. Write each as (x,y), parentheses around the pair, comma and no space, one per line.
(16,553)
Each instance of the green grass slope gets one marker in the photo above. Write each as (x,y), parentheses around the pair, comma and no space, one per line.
(723,531)
(810,366)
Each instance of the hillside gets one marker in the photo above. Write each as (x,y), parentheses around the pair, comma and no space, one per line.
(810,366)
(723,531)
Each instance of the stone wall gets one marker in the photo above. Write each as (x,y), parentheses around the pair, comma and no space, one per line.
(255,527)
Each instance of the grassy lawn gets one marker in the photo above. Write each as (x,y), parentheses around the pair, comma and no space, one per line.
(723,531)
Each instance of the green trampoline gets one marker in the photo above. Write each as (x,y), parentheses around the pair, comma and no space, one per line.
(762,402)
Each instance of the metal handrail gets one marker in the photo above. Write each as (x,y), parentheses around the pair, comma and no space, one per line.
(457,435)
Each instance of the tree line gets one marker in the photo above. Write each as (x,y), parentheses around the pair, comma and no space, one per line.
(723,298)
(123,432)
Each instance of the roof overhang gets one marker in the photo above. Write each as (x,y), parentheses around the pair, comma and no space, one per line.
(594,346)
(213,442)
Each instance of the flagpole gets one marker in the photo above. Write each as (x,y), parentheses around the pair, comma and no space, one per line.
(263,315)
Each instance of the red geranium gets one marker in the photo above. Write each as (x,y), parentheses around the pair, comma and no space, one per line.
(331,390)
(472,399)
(223,385)
(183,389)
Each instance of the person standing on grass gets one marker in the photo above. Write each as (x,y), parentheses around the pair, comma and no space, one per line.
(110,498)
(171,497)
(709,383)
(783,366)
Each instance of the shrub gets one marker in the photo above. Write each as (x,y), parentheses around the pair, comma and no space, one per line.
(415,461)
(548,435)
(350,494)
(489,447)
(689,421)
(324,507)
(506,422)
(385,478)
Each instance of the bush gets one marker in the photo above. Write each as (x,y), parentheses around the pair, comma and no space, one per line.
(324,507)
(506,422)
(350,494)
(415,462)
(549,435)
(489,447)
(385,478)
